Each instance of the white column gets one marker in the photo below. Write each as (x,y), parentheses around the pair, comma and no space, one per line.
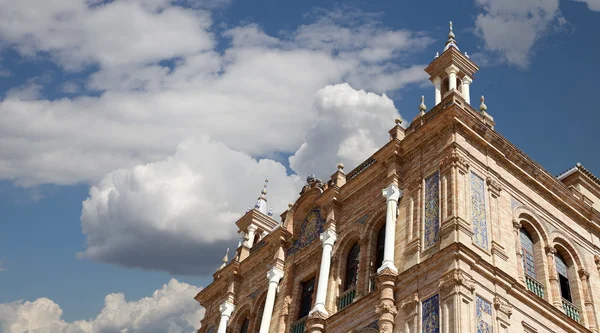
(392,193)
(452,70)
(437,83)
(226,310)
(242,236)
(328,238)
(465,88)
(274,276)
(263,235)
(251,231)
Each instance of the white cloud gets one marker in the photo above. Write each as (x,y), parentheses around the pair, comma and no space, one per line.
(511,28)
(254,97)
(170,309)
(352,124)
(592,4)
(178,214)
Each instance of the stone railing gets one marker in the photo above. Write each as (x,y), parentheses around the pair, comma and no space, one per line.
(299,326)
(570,310)
(362,167)
(347,297)
(372,282)
(534,286)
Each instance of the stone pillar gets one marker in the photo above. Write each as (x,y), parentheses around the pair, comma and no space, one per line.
(588,313)
(437,83)
(554,296)
(285,312)
(251,233)
(386,310)
(452,71)
(274,276)
(466,82)
(517,230)
(328,238)
(226,310)
(392,193)
(456,302)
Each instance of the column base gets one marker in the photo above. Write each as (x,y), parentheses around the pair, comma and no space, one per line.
(317,319)
(389,266)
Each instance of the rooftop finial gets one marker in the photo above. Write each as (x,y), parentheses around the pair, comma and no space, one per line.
(437,54)
(225,259)
(466,55)
(261,202)
(422,107)
(482,107)
(270,212)
(451,41)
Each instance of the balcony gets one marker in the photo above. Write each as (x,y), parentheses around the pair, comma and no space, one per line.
(299,326)
(570,310)
(372,282)
(534,286)
(347,297)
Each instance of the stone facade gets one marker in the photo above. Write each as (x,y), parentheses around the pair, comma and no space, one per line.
(457,197)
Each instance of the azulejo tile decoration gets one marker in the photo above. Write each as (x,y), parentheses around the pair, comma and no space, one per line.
(310,229)
(431,314)
(480,234)
(484,315)
(432,209)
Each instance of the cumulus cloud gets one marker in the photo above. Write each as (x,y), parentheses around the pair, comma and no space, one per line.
(178,214)
(254,96)
(592,4)
(170,309)
(511,28)
(352,124)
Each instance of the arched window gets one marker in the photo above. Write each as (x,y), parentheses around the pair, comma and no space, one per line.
(379,248)
(563,278)
(351,267)
(245,325)
(527,254)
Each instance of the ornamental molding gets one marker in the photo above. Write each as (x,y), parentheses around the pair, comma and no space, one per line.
(410,300)
(455,159)
(457,278)
(285,310)
(503,306)
(517,225)
(584,274)
(494,186)
(550,250)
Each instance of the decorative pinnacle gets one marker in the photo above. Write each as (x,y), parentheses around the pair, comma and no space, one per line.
(340,167)
(398,121)
(466,55)
(482,107)
(451,39)
(437,54)
(264,190)
(226,257)
(422,107)
(270,212)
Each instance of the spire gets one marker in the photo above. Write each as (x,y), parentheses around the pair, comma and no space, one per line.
(451,41)
(261,202)
(225,259)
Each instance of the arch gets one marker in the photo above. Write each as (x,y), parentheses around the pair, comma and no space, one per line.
(530,220)
(559,240)
(572,262)
(243,312)
(259,306)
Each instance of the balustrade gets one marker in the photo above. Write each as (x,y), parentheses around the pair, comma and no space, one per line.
(534,286)
(299,326)
(347,297)
(570,310)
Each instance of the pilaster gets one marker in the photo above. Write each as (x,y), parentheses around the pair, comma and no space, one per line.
(456,302)
(553,278)
(503,312)
(410,308)
(590,313)
(494,190)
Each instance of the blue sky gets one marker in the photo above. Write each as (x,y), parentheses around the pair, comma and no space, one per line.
(135,132)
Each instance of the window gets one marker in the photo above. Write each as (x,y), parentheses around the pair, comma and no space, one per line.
(308,289)
(527,253)
(380,247)
(561,269)
(351,267)
(245,325)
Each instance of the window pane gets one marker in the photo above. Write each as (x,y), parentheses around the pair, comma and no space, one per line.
(351,267)
(308,288)
(565,288)
(245,326)
(380,248)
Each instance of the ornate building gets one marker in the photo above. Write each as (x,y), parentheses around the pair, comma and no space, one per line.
(446,228)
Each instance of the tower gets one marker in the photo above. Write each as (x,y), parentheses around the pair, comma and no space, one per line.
(452,71)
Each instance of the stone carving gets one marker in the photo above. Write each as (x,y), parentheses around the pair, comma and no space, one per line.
(502,306)
(384,308)
(285,310)
(494,186)
(410,300)
(597,261)
(312,182)
(457,278)
(455,159)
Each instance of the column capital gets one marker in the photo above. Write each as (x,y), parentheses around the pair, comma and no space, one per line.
(437,80)
(328,237)
(584,274)
(452,69)
(467,80)
(392,193)
(550,251)
(517,225)
(274,275)
(252,228)
(226,309)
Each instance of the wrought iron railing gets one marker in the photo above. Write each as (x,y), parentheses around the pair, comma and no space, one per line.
(571,310)
(372,282)
(347,297)
(534,286)
(299,326)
